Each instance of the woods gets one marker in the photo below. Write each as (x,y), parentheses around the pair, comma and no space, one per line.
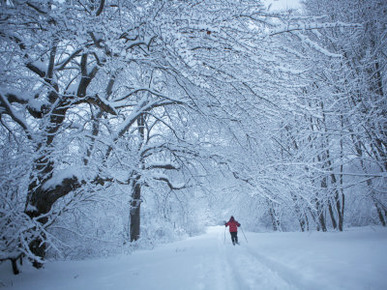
(135,121)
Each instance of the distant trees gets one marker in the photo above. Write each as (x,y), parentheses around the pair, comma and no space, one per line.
(336,137)
(354,112)
(316,151)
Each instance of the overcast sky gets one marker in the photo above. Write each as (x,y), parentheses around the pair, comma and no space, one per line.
(283,4)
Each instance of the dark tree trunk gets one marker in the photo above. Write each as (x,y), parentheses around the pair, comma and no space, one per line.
(39,203)
(306,221)
(135,205)
(380,214)
(341,216)
(332,214)
(321,219)
(275,221)
(38,206)
(321,207)
(302,224)
(15,269)
(135,213)
(341,182)
(302,219)
(38,248)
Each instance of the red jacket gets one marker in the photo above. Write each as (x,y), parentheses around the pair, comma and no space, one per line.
(233,224)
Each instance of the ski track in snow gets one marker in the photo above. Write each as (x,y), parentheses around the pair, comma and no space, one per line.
(293,279)
(249,272)
(238,267)
(241,267)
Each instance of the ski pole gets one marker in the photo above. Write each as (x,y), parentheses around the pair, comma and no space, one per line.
(244,235)
(224,236)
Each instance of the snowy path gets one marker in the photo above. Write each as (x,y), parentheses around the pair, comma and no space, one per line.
(352,260)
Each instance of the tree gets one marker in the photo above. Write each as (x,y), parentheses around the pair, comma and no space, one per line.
(98,104)
(60,84)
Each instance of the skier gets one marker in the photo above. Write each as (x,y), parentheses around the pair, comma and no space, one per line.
(233,224)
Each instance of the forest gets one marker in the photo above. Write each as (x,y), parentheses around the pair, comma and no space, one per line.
(124,124)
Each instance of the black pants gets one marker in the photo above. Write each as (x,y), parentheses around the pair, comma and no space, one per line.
(234,237)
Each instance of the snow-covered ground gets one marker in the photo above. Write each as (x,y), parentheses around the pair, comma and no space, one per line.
(354,259)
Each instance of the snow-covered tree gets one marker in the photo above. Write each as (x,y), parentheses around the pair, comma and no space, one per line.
(339,108)
(68,68)
(102,92)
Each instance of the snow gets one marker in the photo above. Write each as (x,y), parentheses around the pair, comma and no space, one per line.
(354,259)
(61,175)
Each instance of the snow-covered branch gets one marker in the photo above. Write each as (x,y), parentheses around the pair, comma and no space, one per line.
(316,26)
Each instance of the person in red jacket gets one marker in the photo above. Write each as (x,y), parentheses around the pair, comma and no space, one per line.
(233,225)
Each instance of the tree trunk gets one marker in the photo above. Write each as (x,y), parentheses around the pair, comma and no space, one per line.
(380,214)
(38,246)
(314,219)
(135,212)
(135,204)
(340,211)
(341,182)
(274,218)
(321,217)
(331,213)
(322,207)
(40,202)
(322,222)
(15,269)
(302,218)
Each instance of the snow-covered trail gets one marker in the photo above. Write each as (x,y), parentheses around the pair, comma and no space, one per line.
(351,260)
